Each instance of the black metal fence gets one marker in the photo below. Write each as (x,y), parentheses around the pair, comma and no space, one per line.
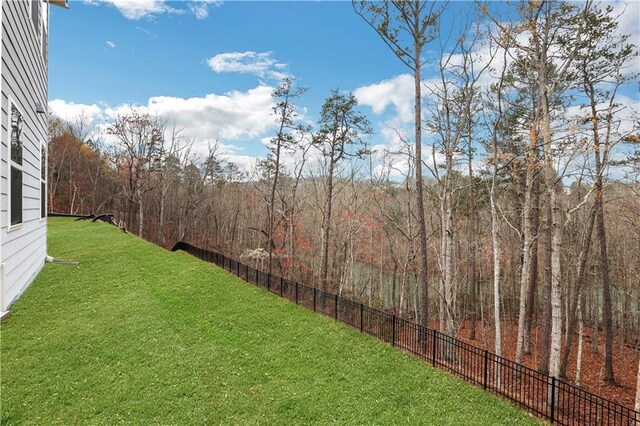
(548,397)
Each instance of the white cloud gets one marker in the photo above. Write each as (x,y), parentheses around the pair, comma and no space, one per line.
(229,117)
(201,8)
(70,111)
(397,92)
(258,63)
(137,9)
(111,44)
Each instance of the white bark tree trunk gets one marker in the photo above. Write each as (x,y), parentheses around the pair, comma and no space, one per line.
(447,297)
(556,294)
(446,284)
(526,255)
(556,215)
(580,338)
(496,267)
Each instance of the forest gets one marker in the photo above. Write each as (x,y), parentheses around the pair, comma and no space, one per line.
(509,215)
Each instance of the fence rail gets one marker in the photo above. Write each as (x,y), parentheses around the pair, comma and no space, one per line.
(548,397)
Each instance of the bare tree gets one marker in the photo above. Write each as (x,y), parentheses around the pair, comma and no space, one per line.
(340,126)
(451,120)
(140,138)
(550,25)
(407,27)
(288,134)
(601,61)
(174,154)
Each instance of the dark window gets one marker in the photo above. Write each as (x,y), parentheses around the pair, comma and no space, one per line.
(16,135)
(43,163)
(43,199)
(16,195)
(16,166)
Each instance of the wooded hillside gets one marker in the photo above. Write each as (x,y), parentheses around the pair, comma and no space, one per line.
(520,229)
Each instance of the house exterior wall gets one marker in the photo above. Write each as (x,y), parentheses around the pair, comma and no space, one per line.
(23,83)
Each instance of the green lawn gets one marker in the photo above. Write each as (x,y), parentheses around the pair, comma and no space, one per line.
(136,334)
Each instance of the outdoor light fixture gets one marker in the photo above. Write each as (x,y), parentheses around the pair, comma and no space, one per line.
(39,108)
(61,3)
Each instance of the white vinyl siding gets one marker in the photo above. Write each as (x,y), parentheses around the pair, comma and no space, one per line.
(23,82)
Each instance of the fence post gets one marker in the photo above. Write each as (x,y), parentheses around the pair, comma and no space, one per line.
(314,299)
(393,331)
(433,348)
(268,281)
(553,399)
(296,292)
(486,369)
(281,284)
(361,315)
(237,268)
(335,311)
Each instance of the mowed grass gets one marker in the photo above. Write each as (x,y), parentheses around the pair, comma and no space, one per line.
(136,334)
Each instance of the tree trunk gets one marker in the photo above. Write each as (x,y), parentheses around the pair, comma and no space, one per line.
(602,239)
(533,266)
(271,208)
(471,276)
(526,258)
(556,215)
(556,276)
(577,292)
(160,238)
(326,225)
(496,251)
(496,277)
(580,339)
(596,324)
(447,324)
(546,299)
(140,212)
(274,185)
(422,228)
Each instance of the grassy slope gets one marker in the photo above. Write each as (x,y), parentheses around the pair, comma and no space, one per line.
(141,335)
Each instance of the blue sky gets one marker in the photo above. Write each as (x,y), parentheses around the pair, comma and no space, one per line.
(209,66)
(104,54)
(324,44)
